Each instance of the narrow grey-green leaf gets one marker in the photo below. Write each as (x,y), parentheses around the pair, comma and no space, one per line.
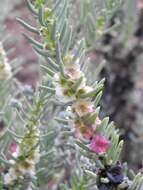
(41,16)
(67,42)
(31,7)
(59,58)
(93,92)
(43,52)
(27,26)
(33,41)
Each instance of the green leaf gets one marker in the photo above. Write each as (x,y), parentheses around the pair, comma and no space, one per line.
(117,152)
(81,145)
(62,121)
(54,31)
(102,127)
(59,59)
(41,16)
(97,99)
(67,42)
(137,182)
(56,6)
(62,10)
(31,7)
(33,41)
(5,162)
(52,63)
(43,52)
(49,71)
(63,31)
(77,84)
(93,92)
(49,89)
(38,3)
(80,50)
(27,26)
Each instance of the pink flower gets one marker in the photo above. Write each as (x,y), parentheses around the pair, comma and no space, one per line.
(13,147)
(12,150)
(99,144)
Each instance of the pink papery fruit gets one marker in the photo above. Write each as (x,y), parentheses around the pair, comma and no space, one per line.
(99,144)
